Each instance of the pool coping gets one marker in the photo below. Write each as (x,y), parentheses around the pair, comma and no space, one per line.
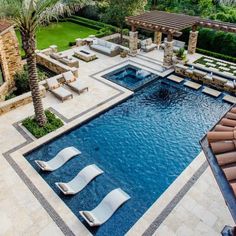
(40,189)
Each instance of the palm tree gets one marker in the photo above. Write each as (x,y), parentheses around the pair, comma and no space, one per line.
(27,15)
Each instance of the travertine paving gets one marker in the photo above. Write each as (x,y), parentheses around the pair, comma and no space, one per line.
(21,213)
(200,212)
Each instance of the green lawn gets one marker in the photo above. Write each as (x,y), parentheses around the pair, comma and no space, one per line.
(60,34)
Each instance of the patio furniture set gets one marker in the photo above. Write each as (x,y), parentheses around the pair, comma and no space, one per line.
(66,60)
(70,80)
(110,203)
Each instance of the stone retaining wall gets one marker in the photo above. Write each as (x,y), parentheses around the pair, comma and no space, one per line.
(18,101)
(10,60)
(212,80)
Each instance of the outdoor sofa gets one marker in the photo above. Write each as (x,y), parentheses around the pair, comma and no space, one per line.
(176,44)
(147,45)
(105,47)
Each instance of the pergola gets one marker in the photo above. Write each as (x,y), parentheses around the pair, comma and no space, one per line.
(171,24)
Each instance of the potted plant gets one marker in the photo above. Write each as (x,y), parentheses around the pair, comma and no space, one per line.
(180,56)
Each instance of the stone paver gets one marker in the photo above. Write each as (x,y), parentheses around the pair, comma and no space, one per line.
(211,92)
(210,64)
(208,60)
(175,78)
(229,98)
(192,85)
(198,213)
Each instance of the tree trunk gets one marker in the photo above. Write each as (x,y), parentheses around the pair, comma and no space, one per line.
(29,46)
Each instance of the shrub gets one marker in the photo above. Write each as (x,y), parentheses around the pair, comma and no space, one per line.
(52,124)
(10,96)
(22,82)
(180,53)
(72,44)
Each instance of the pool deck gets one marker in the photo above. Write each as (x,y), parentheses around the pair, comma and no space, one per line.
(192,205)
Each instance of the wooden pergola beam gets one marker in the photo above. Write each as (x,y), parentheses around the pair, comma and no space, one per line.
(170,22)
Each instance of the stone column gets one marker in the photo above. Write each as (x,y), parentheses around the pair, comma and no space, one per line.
(157,37)
(133,43)
(192,43)
(168,51)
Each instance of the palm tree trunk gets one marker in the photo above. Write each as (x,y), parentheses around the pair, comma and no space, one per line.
(29,46)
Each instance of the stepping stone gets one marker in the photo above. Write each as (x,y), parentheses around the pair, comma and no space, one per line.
(224,68)
(192,85)
(221,64)
(210,64)
(175,78)
(228,73)
(213,69)
(233,67)
(211,92)
(208,60)
(229,98)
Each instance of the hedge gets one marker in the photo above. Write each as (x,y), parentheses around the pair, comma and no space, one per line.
(217,55)
(92,23)
(215,41)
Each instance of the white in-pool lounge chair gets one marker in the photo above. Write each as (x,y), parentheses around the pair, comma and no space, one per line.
(106,208)
(59,160)
(57,90)
(83,178)
(74,83)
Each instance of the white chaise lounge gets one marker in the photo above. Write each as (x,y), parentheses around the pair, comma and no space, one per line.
(83,178)
(55,88)
(59,160)
(74,83)
(106,207)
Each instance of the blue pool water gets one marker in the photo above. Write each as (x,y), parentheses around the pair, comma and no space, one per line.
(142,145)
(131,77)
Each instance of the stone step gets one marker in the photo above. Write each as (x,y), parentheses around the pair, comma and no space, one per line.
(175,78)
(192,85)
(212,92)
(229,98)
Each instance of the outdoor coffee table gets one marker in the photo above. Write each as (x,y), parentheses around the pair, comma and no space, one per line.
(85,55)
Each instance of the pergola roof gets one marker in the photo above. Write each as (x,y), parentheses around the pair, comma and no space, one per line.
(166,22)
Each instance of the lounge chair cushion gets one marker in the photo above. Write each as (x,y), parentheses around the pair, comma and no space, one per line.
(149,41)
(62,92)
(89,216)
(63,187)
(53,84)
(69,77)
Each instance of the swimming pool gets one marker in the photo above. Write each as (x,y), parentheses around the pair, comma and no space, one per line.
(131,77)
(142,145)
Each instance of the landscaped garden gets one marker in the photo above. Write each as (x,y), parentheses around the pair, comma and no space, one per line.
(60,34)
(217,65)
